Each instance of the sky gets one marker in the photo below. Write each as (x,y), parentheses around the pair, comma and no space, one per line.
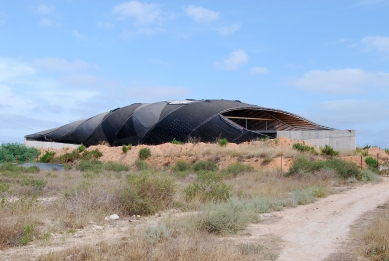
(325,60)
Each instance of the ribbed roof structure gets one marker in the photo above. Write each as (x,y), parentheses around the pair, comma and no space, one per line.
(157,123)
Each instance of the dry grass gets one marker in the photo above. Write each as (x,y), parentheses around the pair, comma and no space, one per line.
(376,238)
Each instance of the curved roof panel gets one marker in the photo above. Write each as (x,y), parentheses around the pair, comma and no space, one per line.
(156,123)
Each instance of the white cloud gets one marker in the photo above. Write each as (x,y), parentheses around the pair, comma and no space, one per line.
(343,81)
(11,69)
(45,9)
(236,59)
(259,70)
(2,18)
(78,35)
(46,22)
(345,113)
(227,30)
(144,14)
(63,65)
(379,43)
(201,14)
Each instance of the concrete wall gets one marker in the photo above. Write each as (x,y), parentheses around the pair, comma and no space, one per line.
(342,140)
(49,145)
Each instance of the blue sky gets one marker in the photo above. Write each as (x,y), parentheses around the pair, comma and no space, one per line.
(326,60)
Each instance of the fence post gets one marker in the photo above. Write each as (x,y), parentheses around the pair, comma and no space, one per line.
(6,159)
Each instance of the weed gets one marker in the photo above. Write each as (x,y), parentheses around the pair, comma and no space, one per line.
(115,166)
(144,153)
(36,183)
(81,148)
(267,160)
(365,153)
(276,141)
(304,148)
(366,147)
(237,168)
(223,142)
(369,175)
(67,166)
(303,196)
(371,162)
(226,217)
(387,151)
(329,151)
(147,193)
(181,166)
(319,191)
(205,165)
(141,165)
(124,149)
(177,142)
(162,231)
(208,186)
(47,157)
(28,231)
(91,154)
(4,187)
(91,165)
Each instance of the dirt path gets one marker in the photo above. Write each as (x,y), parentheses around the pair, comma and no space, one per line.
(314,231)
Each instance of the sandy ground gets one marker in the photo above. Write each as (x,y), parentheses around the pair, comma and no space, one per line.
(314,231)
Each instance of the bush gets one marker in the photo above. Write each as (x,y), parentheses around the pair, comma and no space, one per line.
(9,151)
(144,153)
(92,154)
(47,157)
(177,142)
(81,148)
(124,149)
(368,175)
(115,166)
(237,168)
(329,151)
(304,148)
(387,151)
(141,165)
(148,193)
(227,217)
(93,165)
(371,162)
(223,142)
(303,166)
(181,165)
(209,186)
(36,183)
(68,157)
(205,165)
(11,167)
(303,196)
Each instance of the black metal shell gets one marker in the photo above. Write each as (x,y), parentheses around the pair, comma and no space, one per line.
(156,123)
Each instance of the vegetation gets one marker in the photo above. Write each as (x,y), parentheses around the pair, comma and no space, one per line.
(237,168)
(304,148)
(344,169)
(223,142)
(177,142)
(47,157)
(147,193)
(329,151)
(144,153)
(181,166)
(10,151)
(206,165)
(124,149)
(371,162)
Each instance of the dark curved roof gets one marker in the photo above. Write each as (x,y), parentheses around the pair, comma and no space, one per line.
(156,123)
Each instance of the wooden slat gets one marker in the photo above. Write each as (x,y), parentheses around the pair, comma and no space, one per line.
(243,118)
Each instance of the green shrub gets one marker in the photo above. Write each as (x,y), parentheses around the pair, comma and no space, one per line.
(68,157)
(366,147)
(67,166)
(11,167)
(205,165)
(115,166)
(124,149)
(144,153)
(148,193)
(226,217)
(27,235)
(209,186)
(9,151)
(181,166)
(344,169)
(303,196)
(365,153)
(369,175)
(329,151)
(81,148)
(304,148)
(36,183)
(371,162)
(223,142)
(47,157)
(89,165)
(141,165)
(236,168)
(177,142)
(91,154)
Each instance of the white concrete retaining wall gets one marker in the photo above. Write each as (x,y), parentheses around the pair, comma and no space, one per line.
(49,145)
(342,140)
